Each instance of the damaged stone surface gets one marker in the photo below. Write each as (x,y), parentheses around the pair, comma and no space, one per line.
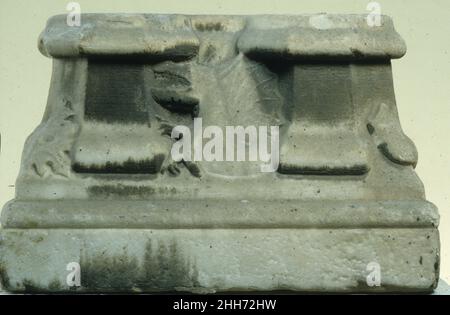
(98,185)
(211,260)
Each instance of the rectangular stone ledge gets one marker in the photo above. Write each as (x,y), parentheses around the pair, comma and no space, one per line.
(314,36)
(220,260)
(178,214)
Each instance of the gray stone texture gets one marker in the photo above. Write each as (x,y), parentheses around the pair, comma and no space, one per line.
(98,186)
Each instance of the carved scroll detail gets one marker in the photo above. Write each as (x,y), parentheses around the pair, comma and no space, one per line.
(49,146)
(385,129)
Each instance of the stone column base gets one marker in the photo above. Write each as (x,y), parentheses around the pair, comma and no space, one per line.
(221,260)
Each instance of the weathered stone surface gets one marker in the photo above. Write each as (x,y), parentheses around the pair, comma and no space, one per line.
(210,260)
(152,35)
(210,213)
(99,186)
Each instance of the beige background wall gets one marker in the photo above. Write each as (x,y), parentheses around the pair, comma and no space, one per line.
(422,77)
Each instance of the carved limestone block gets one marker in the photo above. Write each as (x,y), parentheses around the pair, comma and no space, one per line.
(101,188)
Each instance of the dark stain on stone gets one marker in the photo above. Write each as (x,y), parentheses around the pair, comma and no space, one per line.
(370,128)
(120,190)
(362,287)
(31,224)
(32,287)
(55,286)
(357,53)
(209,27)
(115,93)
(291,169)
(109,272)
(182,52)
(4,278)
(193,169)
(176,100)
(148,166)
(70,118)
(29,286)
(196,111)
(163,269)
(421,260)
(436,273)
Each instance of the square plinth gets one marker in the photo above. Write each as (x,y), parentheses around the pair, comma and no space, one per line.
(300,254)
